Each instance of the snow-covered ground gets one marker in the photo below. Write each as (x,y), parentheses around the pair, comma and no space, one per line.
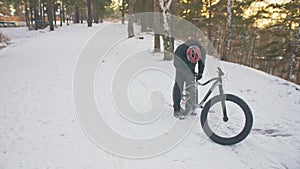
(39,127)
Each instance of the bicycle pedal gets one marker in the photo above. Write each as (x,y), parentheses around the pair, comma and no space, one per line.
(181,117)
(193,113)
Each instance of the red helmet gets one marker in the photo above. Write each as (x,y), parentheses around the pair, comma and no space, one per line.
(193,54)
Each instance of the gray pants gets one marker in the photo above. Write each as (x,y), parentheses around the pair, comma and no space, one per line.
(178,88)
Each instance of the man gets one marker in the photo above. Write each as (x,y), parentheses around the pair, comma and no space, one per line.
(187,55)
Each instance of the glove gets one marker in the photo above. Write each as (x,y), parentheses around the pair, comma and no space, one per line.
(199,76)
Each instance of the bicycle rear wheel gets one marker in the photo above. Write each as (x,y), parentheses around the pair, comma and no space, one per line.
(238,126)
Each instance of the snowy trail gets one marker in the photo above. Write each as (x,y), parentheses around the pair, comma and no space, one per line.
(39,126)
(38,121)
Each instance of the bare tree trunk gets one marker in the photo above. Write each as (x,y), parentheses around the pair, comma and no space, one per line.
(253,48)
(228,30)
(81,17)
(41,14)
(36,16)
(63,11)
(31,15)
(67,13)
(100,12)
(44,13)
(50,15)
(156,26)
(173,12)
(54,12)
(27,14)
(61,14)
(144,18)
(123,11)
(89,17)
(293,57)
(247,60)
(157,43)
(131,18)
(77,18)
(96,12)
(209,20)
(218,41)
(298,73)
(274,67)
(199,3)
(168,40)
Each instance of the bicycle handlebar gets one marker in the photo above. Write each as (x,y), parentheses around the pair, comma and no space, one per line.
(220,73)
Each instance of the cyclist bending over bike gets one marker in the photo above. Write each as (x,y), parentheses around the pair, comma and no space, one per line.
(187,55)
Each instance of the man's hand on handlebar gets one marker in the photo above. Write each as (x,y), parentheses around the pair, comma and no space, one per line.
(199,76)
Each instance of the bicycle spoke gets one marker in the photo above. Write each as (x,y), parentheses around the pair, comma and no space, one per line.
(230,128)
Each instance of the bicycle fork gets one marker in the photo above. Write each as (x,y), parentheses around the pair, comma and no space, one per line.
(223,105)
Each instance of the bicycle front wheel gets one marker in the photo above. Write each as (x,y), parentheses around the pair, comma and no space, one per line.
(231,131)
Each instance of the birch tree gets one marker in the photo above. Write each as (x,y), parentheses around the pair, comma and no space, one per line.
(168,41)
(228,30)
(294,53)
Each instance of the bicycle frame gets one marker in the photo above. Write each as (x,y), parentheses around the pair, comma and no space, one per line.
(218,82)
(212,88)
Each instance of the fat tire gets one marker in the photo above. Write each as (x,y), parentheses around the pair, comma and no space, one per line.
(227,140)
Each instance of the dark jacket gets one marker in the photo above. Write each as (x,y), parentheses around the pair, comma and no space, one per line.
(180,59)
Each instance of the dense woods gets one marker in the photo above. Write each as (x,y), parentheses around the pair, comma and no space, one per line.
(261,34)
